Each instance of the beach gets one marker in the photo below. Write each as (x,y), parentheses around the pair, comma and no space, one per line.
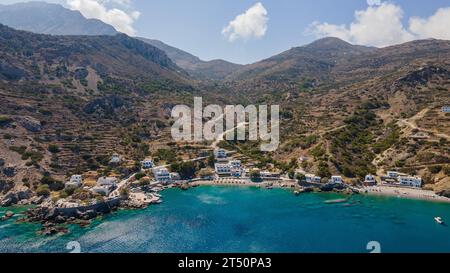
(385,190)
(402,192)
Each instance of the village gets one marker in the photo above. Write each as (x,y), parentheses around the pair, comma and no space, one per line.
(143,188)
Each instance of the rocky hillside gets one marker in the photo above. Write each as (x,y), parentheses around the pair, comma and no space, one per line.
(69,102)
(205,70)
(46,18)
(354,110)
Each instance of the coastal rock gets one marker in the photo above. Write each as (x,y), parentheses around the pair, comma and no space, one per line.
(51,214)
(50,230)
(8,215)
(60,219)
(36,200)
(14,197)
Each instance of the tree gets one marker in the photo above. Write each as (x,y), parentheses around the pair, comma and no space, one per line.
(300,177)
(211,161)
(53,149)
(185,169)
(255,175)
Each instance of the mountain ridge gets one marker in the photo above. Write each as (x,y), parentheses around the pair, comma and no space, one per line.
(47,18)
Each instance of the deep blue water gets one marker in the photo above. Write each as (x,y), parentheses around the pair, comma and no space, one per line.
(234,219)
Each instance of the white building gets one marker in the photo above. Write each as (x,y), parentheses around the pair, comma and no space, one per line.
(236,164)
(411,181)
(336,179)
(392,174)
(446,109)
(103,190)
(370,180)
(220,154)
(75,181)
(107,181)
(115,159)
(222,169)
(147,164)
(312,178)
(161,174)
(269,175)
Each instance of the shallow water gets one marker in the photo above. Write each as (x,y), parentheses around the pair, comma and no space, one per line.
(238,219)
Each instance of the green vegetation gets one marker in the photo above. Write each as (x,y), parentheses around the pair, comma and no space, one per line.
(186,170)
(43,190)
(4,121)
(53,184)
(53,149)
(165,154)
(350,145)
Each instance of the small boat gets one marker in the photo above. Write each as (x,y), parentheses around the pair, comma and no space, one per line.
(335,201)
(297,193)
(439,220)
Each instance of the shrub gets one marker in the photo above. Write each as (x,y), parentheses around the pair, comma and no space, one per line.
(43,190)
(435,169)
(53,149)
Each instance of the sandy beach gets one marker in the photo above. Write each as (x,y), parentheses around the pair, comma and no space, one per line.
(404,193)
(383,190)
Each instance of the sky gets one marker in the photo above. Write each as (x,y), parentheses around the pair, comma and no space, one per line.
(246,31)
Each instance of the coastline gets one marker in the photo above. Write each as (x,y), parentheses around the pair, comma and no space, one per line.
(407,193)
(380,190)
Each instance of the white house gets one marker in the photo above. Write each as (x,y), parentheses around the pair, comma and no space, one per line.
(115,159)
(336,179)
(446,109)
(236,164)
(147,164)
(269,175)
(107,181)
(312,178)
(220,154)
(75,181)
(222,169)
(161,174)
(370,180)
(103,190)
(411,181)
(392,174)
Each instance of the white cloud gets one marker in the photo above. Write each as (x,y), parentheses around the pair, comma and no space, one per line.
(381,25)
(436,26)
(373,2)
(250,24)
(119,18)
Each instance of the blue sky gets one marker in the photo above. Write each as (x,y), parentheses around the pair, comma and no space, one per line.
(271,26)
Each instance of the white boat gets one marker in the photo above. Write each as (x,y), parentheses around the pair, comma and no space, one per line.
(439,220)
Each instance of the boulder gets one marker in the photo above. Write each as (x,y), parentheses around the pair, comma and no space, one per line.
(9,214)
(51,214)
(60,219)
(30,123)
(9,171)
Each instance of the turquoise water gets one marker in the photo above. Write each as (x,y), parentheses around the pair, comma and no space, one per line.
(233,219)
